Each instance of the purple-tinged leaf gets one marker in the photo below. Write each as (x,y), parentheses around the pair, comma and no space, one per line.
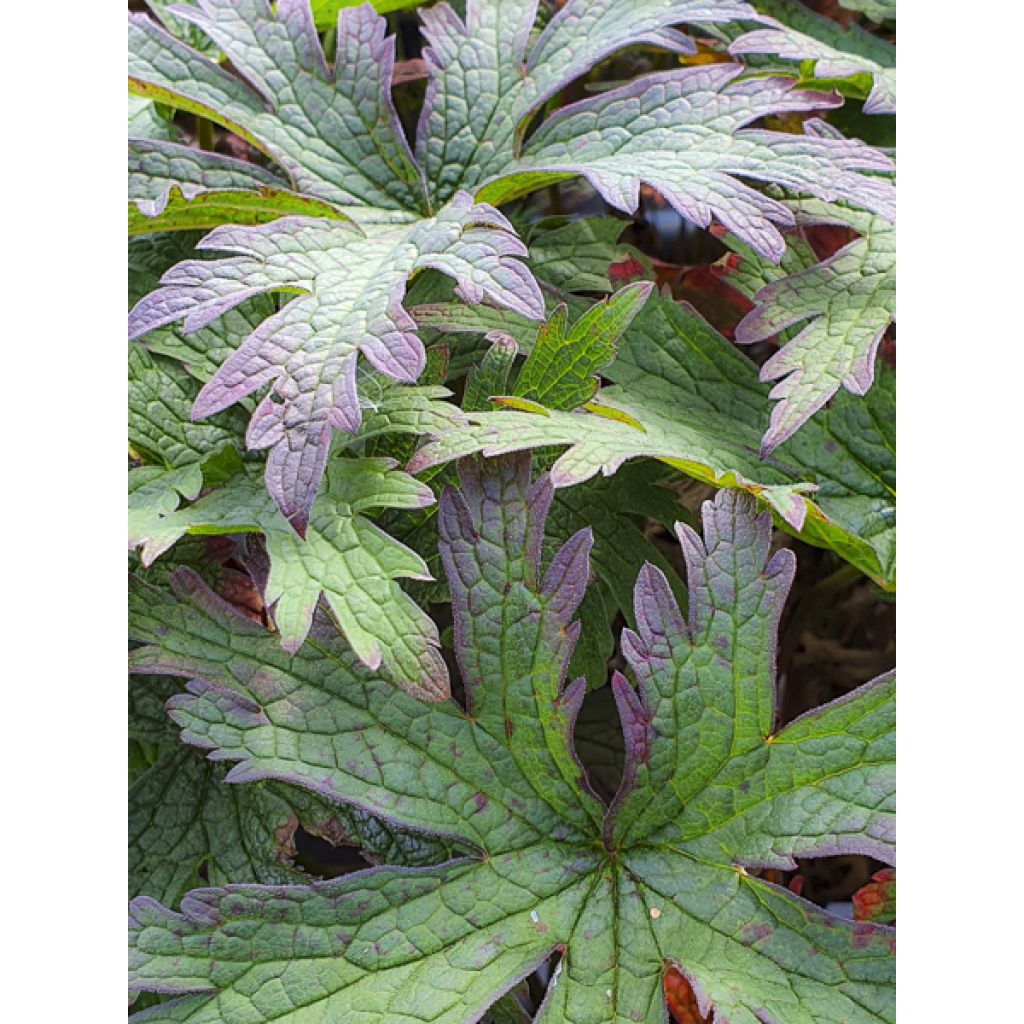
(350,286)
(334,131)
(850,301)
(546,874)
(482,86)
(176,188)
(683,133)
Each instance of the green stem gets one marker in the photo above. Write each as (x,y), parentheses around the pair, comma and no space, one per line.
(204,133)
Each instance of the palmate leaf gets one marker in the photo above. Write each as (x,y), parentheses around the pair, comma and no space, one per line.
(334,133)
(482,85)
(710,787)
(343,556)
(182,817)
(350,285)
(801,34)
(334,138)
(683,133)
(684,395)
(850,301)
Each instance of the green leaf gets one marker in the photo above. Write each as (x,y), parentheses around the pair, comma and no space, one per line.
(182,817)
(348,286)
(483,83)
(175,188)
(836,52)
(325,12)
(344,556)
(684,133)
(876,10)
(850,301)
(575,255)
(160,397)
(687,397)
(710,787)
(561,371)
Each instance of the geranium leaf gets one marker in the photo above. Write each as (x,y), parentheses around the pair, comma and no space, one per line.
(850,300)
(686,396)
(876,10)
(617,892)
(343,556)
(683,133)
(334,132)
(801,34)
(176,188)
(561,370)
(350,286)
(576,256)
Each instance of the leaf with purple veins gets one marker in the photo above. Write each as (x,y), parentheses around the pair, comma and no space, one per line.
(349,286)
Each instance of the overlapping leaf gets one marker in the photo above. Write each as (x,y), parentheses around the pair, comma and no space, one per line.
(683,133)
(482,86)
(685,396)
(343,556)
(183,818)
(800,34)
(709,787)
(850,301)
(333,132)
(350,286)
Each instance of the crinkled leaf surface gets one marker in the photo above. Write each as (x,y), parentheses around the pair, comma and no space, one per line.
(482,85)
(709,786)
(877,10)
(801,34)
(683,133)
(849,300)
(686,396)
(172,187)
(561,370)
(575,255)
(349,286)
(344,556)
(333,132)
(182,817)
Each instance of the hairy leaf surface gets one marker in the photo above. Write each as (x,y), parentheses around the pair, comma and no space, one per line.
(620,892)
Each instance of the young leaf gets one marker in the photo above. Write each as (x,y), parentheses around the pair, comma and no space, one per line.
(617,892)
(850,299)
(876,901)
(344,556)
(801,34)
(683,133)
(561,370)
(350,286)
(687,397)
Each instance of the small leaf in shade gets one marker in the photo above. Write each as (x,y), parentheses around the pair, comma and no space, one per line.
(876,901)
